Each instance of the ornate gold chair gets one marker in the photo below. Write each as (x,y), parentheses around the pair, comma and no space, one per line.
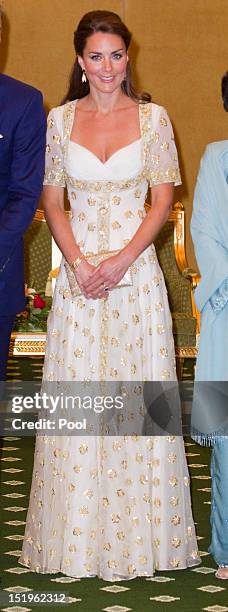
(30,340)
(181,282)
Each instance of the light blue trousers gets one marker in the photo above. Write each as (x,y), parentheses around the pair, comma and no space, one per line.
(219,501)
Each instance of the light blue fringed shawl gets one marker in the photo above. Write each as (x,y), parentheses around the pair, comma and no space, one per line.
(209,229)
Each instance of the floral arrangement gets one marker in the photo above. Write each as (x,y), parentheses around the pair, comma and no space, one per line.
(34,318)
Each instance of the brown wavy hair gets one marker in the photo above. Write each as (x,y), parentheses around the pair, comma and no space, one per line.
(111,23)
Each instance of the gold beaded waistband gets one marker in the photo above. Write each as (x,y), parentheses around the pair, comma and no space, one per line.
(105,186)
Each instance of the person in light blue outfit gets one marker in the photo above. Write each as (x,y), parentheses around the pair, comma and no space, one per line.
(209,229)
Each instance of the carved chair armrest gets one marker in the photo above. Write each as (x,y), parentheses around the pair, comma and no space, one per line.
(194,278)
(53,273)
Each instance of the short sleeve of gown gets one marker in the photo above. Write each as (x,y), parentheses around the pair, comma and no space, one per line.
(54,162)
(162,162)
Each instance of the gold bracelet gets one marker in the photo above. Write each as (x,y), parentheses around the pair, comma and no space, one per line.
(74,265)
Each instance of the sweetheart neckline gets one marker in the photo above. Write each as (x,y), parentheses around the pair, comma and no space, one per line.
(111,156)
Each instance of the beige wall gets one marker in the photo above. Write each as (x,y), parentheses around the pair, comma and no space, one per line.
(40,41)
(179,53)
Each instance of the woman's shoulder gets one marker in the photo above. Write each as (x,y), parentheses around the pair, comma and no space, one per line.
(217,148)
(215,157)
(59,111)
(215,152)
(58,114)
(151,106)
(154,117)
(156,111)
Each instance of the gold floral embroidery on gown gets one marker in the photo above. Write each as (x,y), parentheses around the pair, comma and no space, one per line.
(115,507)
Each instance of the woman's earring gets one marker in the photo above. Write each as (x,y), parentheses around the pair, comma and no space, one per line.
(84,79)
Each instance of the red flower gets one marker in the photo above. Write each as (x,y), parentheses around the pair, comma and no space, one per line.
(38,301)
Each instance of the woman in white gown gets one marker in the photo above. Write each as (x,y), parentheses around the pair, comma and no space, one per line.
(113,507)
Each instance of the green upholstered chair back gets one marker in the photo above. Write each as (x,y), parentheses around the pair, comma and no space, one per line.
(37,252)
(178,287)
(170,248)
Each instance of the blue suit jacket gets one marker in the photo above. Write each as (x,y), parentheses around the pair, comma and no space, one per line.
(22,147)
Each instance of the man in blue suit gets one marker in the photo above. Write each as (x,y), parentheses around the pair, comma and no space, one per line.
(22,147)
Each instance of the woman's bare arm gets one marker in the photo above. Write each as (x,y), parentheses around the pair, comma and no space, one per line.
(58,223)
(60,229)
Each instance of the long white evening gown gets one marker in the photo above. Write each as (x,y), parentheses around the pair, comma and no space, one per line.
(115,507)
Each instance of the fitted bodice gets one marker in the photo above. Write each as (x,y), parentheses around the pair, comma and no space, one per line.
(107,199)
(104,219)
(123,164)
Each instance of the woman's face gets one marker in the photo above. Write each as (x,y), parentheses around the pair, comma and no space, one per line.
(104,61)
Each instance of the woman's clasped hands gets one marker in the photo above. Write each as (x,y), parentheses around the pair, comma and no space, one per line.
(96,281)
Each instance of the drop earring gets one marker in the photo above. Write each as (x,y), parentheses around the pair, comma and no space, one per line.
(84,79)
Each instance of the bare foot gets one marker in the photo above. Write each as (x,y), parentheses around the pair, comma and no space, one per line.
(222,573)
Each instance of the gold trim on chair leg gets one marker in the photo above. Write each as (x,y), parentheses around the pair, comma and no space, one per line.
(27,344)
(186,351)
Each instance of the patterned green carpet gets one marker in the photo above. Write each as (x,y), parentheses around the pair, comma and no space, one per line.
(190,590)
